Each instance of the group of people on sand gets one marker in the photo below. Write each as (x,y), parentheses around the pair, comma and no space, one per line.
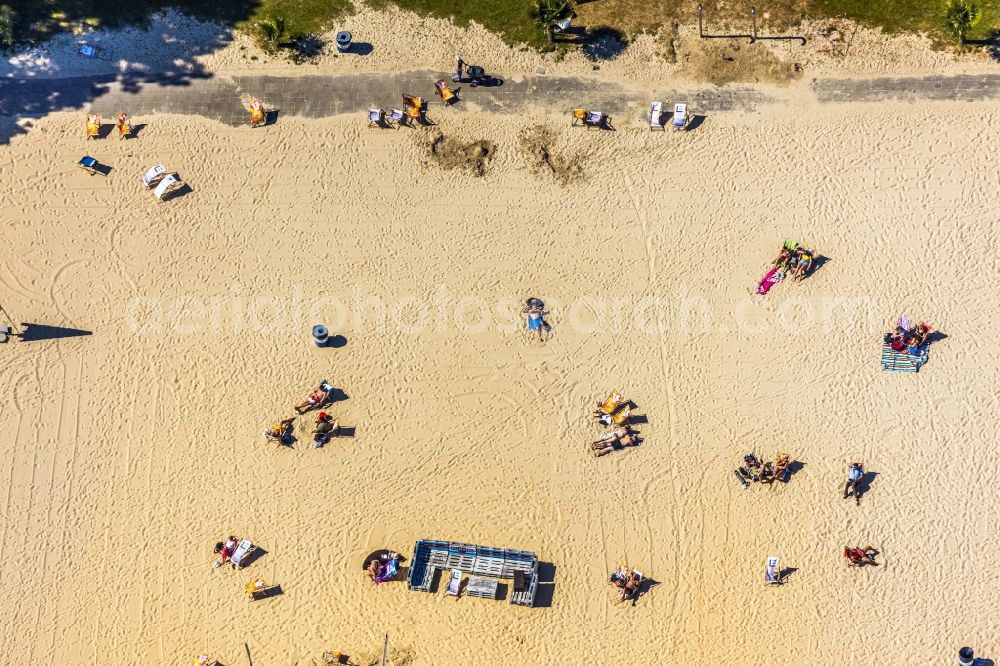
(755,471)
(912,338)
(325,427)
(615,440)
(628,582)
(614,411)
(794,260)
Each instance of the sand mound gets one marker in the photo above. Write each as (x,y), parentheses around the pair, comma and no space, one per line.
(452,153)
(733,61)
(539,143)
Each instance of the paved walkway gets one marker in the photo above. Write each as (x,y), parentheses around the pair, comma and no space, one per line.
(220,97)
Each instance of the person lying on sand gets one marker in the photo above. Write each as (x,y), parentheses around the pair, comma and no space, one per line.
(373,568)
(614,440)
(859,557)
(280,431)
(316,399)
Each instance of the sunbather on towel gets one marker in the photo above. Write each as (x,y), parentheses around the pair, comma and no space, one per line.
(316,399)
(373,569)
(861,556)
(614,441)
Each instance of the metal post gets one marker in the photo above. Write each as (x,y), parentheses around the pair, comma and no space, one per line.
(385,649)
(700,33)
(753,20)
(12,325)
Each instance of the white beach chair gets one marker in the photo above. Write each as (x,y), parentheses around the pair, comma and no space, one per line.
(153,174)
(244,548)
(396,116)
(455,582)
(374,117)
(772,574)
(680,116)
(594,119)
(168,184)
(656,116)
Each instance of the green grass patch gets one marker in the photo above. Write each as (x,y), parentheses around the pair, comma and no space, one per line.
(899,16)
(511,19)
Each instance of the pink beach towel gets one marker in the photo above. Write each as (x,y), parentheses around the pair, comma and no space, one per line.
(770,279)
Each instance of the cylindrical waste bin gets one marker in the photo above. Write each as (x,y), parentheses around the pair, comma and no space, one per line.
(320,335)
(343,41)
(965,657)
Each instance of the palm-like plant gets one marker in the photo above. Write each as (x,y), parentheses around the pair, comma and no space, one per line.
(8,20)
(271,31)
(961,16)
(547,13)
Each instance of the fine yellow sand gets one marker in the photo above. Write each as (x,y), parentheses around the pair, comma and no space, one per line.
(129,452)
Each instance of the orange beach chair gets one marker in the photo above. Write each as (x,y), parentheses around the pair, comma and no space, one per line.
(93,126)
(124,129)
(257,116)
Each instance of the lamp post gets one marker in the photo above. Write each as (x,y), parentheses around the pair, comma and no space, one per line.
(753,22)
(700,33)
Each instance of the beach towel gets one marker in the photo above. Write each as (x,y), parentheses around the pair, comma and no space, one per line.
(905,322)
(771,278)
(904,360)
(388,571)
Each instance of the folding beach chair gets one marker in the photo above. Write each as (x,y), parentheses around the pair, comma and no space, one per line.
(257,589)
(656,116)
(445,92)
(374,117)
(124,128)
(257,115)
(679,121)
(578,116)
(93,126)
(153,173)
(621,417)
(167,185)
(244,548)
(454,583)
(88,164)
(614,401)
(396,116)
(595,119)
(772,574)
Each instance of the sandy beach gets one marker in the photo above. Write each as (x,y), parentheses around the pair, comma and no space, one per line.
(133,429)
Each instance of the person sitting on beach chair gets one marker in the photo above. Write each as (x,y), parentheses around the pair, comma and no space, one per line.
(225,550)
(257,115)
(326,427)
(124,129)
(782,461)
(858,557)
(414,106)
(317,398)
(855,472)
(627,581)
(896,339)
(445,92)
(280,431)
(93,126)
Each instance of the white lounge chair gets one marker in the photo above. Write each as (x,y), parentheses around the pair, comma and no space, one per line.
(455,582)
(153,174)
(772,574)
(680,116)
(396,116)
(656,116)
(166,185)
(374,117)
(594,119)
(244,548)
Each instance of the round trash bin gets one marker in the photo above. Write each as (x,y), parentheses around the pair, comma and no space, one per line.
(343,41)
(965,657)
(320,335)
